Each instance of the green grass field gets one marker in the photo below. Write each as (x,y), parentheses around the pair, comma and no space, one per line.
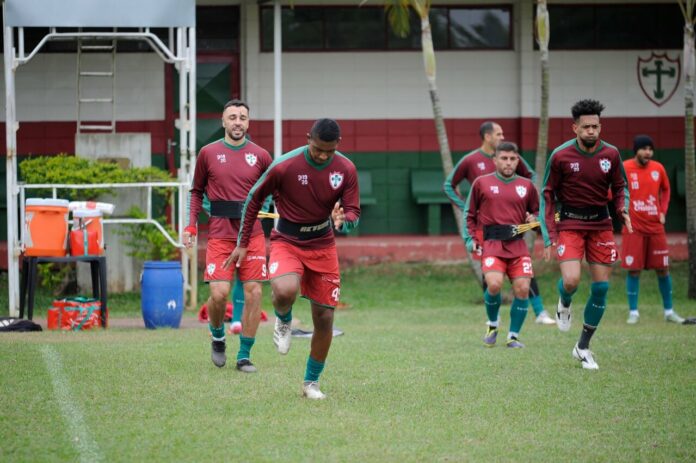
(409,381)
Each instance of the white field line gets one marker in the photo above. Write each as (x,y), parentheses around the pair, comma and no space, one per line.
(78,432)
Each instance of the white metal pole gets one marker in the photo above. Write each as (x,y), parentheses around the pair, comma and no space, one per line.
(191,278)
(11,174)
(277,81)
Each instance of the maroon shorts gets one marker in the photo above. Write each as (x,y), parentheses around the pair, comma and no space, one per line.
(252,269)
(641,251)
(517,267)
(317,268)
(596,246)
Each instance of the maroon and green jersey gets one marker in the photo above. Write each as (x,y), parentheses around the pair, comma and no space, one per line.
(305,192)
(495,200)
(580,179)
(226,173)
(472,166)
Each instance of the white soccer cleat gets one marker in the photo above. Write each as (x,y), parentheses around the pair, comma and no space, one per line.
(310,389)
(563,316)
(633,317)
(674,318)
(544,319)
(585,357)
(281,336)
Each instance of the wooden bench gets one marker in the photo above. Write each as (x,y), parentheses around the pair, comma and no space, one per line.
(426,189)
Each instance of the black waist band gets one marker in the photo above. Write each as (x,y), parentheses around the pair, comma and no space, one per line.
(303,231)
(500,232)
(228,209)
(588,214)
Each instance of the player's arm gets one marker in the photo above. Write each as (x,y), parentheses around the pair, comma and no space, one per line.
(532,204)
(350,203)
(471,207)
(453,179)
(547,205)
(665,195)
(195,200)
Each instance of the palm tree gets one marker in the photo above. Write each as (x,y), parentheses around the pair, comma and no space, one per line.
(542,38)
(687,8)
(398,15)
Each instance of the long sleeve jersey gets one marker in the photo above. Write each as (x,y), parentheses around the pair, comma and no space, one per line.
(226,173)
(305,192)
(495,200)
(649,188)
(580,179)
(473,165)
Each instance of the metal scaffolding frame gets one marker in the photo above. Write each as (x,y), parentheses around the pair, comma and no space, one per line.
(180,51)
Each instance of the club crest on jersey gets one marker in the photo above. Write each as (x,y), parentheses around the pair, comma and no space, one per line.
(561,250)
(250,159)
(336,179)
(521,191)
(273,267)
(629,260)
(605,165)
(221,158)
(655,175)
(211,269)
(488,261)
(481,166)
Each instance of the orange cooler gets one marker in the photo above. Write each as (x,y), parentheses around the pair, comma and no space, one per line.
(87,235)
(46,227)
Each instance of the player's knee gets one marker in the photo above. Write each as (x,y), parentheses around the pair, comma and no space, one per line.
(252,291)
(600,289)
(571,283)
(521,291)
(494,287)
(219,295)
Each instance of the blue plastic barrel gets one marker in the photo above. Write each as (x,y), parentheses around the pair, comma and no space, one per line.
(162,294)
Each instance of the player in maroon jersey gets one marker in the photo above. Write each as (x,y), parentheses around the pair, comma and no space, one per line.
(578,175)
(480,162)
(306,183)
(225,171)
(496,202)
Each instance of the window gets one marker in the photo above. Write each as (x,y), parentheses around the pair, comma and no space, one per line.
(366,28)
(616,27)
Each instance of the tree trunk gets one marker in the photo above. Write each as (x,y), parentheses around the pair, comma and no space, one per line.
(689,160)
(445,154)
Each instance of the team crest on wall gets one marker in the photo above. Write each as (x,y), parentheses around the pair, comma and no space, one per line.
(336,179)
(250,159)
(659,76)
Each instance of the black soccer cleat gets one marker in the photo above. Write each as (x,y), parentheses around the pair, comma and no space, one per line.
(245,366)
(217,353)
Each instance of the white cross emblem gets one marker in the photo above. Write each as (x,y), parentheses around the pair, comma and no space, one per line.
(605,165)
(521,191)
(481,166)
(250,159)
(561,250)
(273,267)
(629,260)
(655,175)
(336,179)
(211,269)
(489,261)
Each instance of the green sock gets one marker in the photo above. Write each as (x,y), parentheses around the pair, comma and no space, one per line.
(245,345)
(237,299)
(287,318)
(594,309)
(492,307)
(313,370)
(566,297)
(518,312)
(218,333)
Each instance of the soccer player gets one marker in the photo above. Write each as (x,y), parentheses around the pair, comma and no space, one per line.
(496,203)
(225,171)
(578,176)
(306,183)
(480,162)
(646,248)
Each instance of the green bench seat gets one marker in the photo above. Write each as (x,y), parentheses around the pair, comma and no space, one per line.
(426,189)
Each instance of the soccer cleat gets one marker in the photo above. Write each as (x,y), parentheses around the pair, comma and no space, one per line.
(544,319)
(245,366)
(281,336)
(674,318)
(514,343)
(235,328)
(585,357)
(491,336)
(633,317)
(310,389)
(563,316)
(217,353)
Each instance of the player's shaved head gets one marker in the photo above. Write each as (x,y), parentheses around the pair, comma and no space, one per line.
(486,127)
(325,130)
(586,108)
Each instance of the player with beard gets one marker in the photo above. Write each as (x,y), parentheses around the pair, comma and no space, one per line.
(579,173)
(496,202)
(225,172)
(646,248)
(480,162)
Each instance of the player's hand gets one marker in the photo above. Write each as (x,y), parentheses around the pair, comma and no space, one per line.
(338,216)
(662,218)
(236,258)
(189,236)
(530,218)
(547,252)
(627,221)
